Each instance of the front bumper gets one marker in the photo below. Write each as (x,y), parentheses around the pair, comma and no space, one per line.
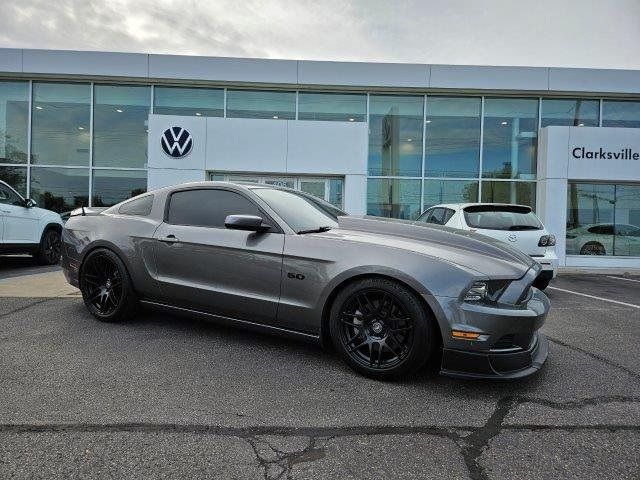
(508,346)
(501,366)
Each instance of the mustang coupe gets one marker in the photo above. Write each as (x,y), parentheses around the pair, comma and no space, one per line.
(390,295)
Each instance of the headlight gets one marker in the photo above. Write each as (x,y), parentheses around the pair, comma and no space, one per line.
(477,292)
(487,291)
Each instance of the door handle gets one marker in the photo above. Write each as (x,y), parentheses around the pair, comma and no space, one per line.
(170,239)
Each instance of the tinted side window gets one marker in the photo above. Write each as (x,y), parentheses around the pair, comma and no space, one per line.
(425,215)
(208,208)
(437,216)
(448,213)
(139,206)
(8,196)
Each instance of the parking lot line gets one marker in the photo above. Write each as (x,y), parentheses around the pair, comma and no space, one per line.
(594,297)
(622,278)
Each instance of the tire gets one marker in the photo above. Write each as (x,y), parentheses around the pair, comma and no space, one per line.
(106,287)
(593,248)
(380,328)
(50,248)
(542,284)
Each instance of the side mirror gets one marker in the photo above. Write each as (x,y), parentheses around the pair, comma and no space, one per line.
(250,223)
(30,203)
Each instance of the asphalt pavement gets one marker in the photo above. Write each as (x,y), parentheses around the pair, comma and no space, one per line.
(174,397)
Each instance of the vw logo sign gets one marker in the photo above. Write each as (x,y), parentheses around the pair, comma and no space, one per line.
(512,237)
(176,142)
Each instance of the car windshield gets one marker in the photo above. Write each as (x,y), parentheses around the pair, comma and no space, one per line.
(302,212)
(501,217)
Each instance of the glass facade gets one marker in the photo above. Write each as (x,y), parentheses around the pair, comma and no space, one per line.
(261,104)
(72,143)
(335,107)
(603,219)
(620,113)
(452,129)
(510,138)
(577,112)
(200,102)
(14,120)
(60,189)
(60,118)
(395,135)
(112,186)
(120,121)
(393,197)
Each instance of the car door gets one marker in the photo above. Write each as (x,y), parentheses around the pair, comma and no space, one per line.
(204,266)
(20,223)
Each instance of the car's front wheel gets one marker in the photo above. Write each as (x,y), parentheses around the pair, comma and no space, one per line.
(106,287)
(381,329)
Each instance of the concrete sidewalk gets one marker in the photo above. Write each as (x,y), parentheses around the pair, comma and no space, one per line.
(38,285)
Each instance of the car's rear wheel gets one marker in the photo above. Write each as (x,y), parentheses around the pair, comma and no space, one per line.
(50,248)
(381,329)
(593,248)
(106,287)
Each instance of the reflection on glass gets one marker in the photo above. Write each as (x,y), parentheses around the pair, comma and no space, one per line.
(570,112)
(395,135)
(14,117)
(60,124)
(261,104)
(15,177)
(313,187)
(622,113)
(114,186)
(205,102)
(60,189)
(452,147)
(336,186)
(603,219)
(627,219)
(519,193)
(510,138)
(120,126)
(393,198)
(340,107)
(449,191)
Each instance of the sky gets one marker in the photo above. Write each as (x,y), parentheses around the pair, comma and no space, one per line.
(566,33)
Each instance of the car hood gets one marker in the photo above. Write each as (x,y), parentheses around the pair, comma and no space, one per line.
(471,250)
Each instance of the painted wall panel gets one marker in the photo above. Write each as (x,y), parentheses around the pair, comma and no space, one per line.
(67,62)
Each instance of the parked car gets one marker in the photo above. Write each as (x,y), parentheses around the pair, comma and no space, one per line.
(25,228)
(516,225)
(390,295)
(604,239)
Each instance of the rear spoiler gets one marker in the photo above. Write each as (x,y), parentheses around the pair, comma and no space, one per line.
(84,211)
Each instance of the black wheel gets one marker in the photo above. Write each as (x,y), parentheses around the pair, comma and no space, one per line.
(380,328)
(50,248)
(106,287)
(592,248)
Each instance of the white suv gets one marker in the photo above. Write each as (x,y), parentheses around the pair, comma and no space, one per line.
(516,225)
(25,228)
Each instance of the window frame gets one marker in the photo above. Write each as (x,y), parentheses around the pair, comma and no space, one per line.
(275,226)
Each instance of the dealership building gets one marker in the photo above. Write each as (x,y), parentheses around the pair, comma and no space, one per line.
(87,128)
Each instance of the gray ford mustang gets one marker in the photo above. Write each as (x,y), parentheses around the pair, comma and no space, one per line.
(390,295)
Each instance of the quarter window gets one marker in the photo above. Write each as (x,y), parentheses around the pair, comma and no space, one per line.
(208,207)
(139,206)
